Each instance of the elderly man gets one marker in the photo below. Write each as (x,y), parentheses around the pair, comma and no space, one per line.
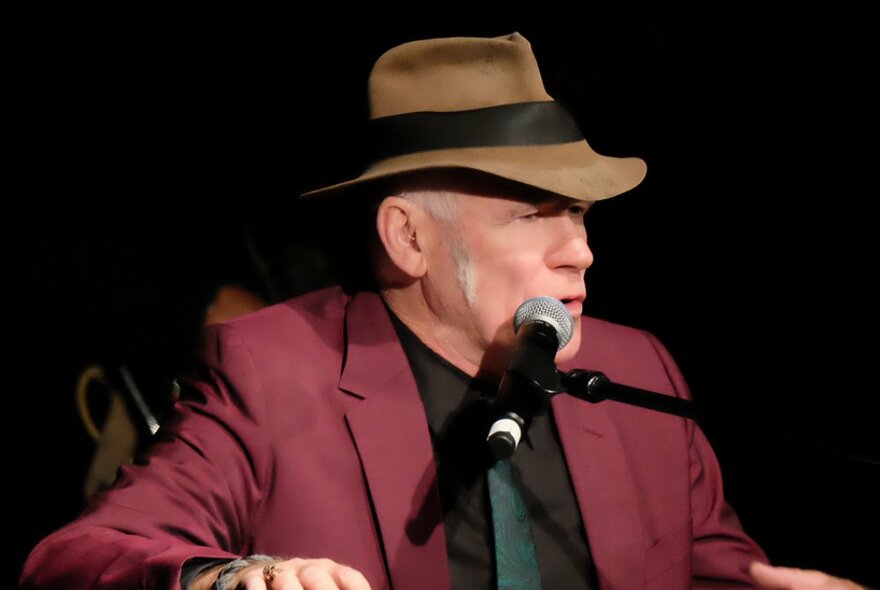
(338,440)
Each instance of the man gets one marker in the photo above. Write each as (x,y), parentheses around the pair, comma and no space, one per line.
(345,433)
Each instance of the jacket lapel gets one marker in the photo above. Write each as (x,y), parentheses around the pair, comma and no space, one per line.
(391,434)
(605,490)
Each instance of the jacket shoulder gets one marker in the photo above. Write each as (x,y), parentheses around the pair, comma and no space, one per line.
(310,322)
(317,307)
(627,355)
(283,336)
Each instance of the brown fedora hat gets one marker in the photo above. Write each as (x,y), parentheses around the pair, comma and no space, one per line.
(479,104)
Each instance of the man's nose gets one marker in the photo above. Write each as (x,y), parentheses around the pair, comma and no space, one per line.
(572,249)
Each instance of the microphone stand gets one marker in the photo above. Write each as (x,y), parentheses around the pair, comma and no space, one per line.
(530,393)
(594,387)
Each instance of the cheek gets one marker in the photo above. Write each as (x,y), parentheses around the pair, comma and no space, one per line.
(503,283)
(508,282)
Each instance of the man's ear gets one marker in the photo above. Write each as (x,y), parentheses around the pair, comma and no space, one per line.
(397,223)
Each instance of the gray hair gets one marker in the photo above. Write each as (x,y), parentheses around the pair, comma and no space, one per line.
(443,207)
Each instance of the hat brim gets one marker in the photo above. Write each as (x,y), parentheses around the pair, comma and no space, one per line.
(570,169)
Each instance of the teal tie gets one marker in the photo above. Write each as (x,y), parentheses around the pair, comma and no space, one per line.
(516,562)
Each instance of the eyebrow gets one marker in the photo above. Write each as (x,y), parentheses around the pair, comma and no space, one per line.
(554,202)
(560,200)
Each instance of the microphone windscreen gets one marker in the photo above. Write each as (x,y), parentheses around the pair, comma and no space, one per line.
(549,311)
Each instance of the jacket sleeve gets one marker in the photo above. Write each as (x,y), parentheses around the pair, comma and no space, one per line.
(189,496)
(722,551)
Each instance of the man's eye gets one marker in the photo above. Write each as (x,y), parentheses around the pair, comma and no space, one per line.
(578,210)
(527,212)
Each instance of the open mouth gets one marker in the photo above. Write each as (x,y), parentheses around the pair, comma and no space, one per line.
(574,306)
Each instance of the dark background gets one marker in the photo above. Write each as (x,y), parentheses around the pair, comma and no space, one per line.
(157,156)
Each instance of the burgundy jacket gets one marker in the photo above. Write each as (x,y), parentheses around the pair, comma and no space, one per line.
(305,436)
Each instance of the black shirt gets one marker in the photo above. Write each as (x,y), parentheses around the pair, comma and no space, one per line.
(458,408)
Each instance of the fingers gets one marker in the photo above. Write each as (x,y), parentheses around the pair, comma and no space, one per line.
(767,576)
(314,574)
(271,576)
(251,579)
(303,574)
(349,578)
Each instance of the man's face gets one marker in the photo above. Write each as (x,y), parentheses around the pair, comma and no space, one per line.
(505,251)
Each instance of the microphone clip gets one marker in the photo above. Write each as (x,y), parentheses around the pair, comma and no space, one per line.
(591,386)
(526,397)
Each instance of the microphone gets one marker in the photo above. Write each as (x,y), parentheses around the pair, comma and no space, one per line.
(542,326)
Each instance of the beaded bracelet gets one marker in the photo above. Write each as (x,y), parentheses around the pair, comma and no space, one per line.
(230,569)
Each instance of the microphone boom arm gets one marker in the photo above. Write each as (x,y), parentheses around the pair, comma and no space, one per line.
(594,387)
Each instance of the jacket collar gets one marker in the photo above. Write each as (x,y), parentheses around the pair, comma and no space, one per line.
(390,432)
(599,467)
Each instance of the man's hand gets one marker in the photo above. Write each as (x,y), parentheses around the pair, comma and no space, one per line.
(301,574)
(767,576)
(292,574)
